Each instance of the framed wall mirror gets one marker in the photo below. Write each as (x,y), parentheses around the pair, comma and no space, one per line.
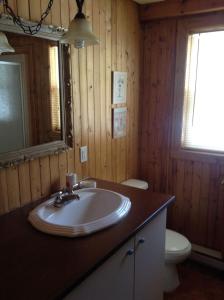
(35,95)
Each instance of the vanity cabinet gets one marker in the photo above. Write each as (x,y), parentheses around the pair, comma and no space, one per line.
(134,272)
(150,259)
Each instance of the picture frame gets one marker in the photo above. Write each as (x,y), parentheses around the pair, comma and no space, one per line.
(119,87)
(119,122)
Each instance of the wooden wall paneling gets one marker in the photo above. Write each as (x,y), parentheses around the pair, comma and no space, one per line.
(24,183)
(204,202)
(219,220)
(135,49)
(121,40)
(13,5)
(12,178)
(23,8)
(198,210)
(91,88)
(97,103)
(1,8)
(71,153)
(70,160)
(167,88)
(213,203)
(103,157)
(130,96)
(151,97)
(114,68)
(178,182)
(90,98)
(195,201)
(72,9)
(62,160)
(125,31)
(132,57)
(35,179)
(54,173)
(64,9)
(187,197)
(45,176)
(76,110)
(35,10)
(83,105)
(144,129)
(4,205)
(43,5)
(118,68)
(56,13)
(108,86)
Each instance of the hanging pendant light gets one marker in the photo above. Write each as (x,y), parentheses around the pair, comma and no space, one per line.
(79,32)
(4,44)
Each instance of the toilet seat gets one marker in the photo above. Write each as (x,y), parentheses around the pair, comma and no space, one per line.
(177,246)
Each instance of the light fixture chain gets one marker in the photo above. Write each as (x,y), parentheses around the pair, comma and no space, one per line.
(28,29)
(80,5)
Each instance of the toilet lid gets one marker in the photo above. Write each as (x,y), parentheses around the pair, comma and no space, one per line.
(175,241)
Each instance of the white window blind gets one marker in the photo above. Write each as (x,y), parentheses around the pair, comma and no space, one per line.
(203,118)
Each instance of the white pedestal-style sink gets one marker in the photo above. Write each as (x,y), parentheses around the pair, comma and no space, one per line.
(96,210)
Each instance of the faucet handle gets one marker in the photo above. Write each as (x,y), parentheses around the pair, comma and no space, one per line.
(57,194)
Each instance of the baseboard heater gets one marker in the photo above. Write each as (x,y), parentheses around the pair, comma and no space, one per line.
(207,256)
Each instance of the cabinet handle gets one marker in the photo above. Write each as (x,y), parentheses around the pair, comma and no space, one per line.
(141,240)
(130,252)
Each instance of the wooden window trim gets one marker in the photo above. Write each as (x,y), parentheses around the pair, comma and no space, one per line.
(186,26)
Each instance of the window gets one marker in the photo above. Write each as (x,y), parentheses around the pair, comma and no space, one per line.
(203,117)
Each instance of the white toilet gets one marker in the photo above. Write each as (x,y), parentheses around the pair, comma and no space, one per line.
(177,248)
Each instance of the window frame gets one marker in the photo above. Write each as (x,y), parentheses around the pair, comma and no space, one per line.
(185,27)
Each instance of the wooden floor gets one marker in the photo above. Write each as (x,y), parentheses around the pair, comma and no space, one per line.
(198,283)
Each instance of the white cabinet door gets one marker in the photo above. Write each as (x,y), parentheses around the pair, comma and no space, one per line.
(149,259)
(114,280)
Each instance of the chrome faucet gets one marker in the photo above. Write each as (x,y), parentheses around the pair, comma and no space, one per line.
(64,198)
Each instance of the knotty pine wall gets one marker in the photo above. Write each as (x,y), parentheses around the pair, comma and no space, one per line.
(117,25)
(199,208)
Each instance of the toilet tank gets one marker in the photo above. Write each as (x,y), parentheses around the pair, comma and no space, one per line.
(140,184)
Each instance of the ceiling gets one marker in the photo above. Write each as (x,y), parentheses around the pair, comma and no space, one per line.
(147,1)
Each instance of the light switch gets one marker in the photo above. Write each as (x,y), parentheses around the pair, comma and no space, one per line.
(83,154)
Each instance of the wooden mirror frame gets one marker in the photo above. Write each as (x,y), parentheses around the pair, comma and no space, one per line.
(50,32)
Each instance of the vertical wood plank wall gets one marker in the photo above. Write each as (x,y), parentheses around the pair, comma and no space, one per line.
(199,208)
(116,23)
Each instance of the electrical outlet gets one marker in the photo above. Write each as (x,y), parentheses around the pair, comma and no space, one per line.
(83,154)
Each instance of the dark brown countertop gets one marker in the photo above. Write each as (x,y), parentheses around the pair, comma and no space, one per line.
(37,266)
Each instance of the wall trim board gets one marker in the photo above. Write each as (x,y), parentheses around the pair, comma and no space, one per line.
(178,8)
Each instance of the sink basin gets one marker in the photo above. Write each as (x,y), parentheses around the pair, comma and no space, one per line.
(96,210)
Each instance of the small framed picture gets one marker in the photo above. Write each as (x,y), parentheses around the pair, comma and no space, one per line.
(119,122)
(119,87)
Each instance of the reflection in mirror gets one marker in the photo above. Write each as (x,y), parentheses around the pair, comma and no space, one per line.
(30,112)
(35,94)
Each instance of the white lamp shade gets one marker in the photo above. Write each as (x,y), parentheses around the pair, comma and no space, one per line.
(4,44)
(79,34)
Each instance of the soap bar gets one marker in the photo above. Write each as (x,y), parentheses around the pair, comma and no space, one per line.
(88,184)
